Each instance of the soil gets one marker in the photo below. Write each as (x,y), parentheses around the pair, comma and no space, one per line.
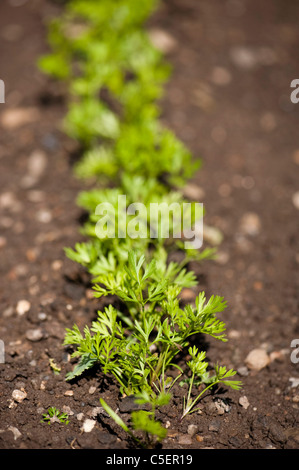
(229,101)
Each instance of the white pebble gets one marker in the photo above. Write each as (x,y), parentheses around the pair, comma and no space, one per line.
(80,416)
(243,57)
(192,429)
(23,306)
(34,334)
(295,382)
(42,316)
(88,425)
(250,224)
(162,40)
(15,431)
(296,200)
(66,409)
(44,216)
(19,395)
(257,359)
(243,401)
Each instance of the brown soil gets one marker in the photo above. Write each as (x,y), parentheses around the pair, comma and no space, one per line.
(229,101)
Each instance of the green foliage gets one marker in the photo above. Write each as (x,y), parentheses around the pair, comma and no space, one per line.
(115,77)
(54,415)
(198,367)
(139,348)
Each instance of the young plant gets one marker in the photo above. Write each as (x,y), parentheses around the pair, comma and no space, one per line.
(55,416)
(138,345)
(198,367)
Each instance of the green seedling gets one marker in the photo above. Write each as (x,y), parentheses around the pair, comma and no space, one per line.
(198,367)
(139,348)
(53,415)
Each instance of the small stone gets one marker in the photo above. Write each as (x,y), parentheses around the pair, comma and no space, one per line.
(250,224)
(258,286)
(295,199)
(185,440)
(42,316)
(9,201)
(221,406)
(224,190)
(295,382)
(88,425)
(276,432)
(211,409)
(277,356)
(222,257)
(212,235)
(55,330)
(106,438)
(214,425)
(23,306)
(92,390)
(57,265)
(44,216)
(13,118)
(221,76)
(257,359)
(69,393)
(66,409)
(292,433)
(34,335)
(15,431)
(35,195)
(80,416)
(243,371)
(243,401)
(194,192)
(98,410)
(234,334)
(8,312)
(192,429)
(162,40)
(19,395)
(243,57)
(36,166)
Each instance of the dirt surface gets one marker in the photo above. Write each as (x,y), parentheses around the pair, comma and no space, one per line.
(229,101)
